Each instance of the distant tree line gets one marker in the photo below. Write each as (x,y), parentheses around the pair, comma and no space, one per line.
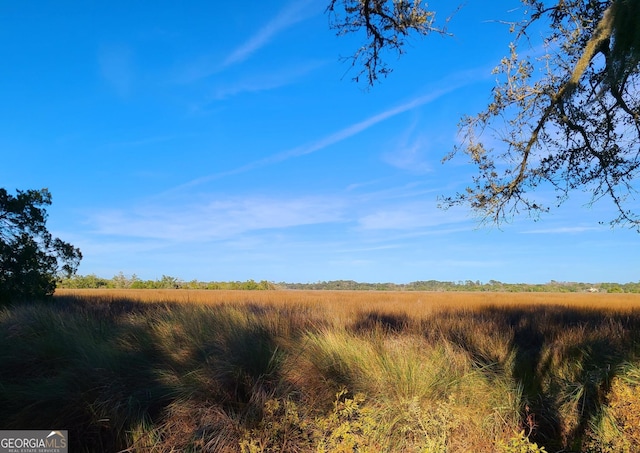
(121,281)
(468,285)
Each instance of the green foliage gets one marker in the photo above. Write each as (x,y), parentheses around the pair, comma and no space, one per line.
(349,427)
(31,259)
(121,281)
(520,444)
(167,282)
(279,428)
(468,285)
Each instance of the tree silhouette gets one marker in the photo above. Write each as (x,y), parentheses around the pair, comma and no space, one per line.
(31,259)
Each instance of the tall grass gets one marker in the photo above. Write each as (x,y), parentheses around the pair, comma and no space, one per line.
(325,371)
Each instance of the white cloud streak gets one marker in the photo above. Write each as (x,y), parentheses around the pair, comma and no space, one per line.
(562,230)
(296,11)
(215,220)
(446,86)
(264,82)
(408,216)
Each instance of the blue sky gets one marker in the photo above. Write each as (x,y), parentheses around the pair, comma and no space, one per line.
(226,141)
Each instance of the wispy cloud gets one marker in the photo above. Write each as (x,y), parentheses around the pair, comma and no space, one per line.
(409,157)
(215,220)
(116,68)
(336,137)
(415,189)
(408,153)
(408,216)
(142,141)
(359,185)
(561,230)
(294,12)
(265,81)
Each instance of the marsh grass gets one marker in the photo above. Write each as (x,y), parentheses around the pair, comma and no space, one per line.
(270,371)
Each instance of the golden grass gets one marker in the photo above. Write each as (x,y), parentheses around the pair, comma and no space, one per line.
(346,303)
(173,370)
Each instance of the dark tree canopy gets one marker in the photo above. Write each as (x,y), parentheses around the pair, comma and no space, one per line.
(31,259)
(568,117)
(386,24)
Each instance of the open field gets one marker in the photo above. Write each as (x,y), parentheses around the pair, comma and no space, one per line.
(266,371)
(414,303)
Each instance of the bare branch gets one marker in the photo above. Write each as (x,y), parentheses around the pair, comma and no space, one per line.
(387,24)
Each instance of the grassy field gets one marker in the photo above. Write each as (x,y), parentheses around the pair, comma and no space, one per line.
(325,371)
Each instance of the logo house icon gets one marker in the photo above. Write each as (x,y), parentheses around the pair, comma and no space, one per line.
(55,433)
(56,440)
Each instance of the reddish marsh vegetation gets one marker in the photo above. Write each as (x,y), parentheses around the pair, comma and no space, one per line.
(325,371)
